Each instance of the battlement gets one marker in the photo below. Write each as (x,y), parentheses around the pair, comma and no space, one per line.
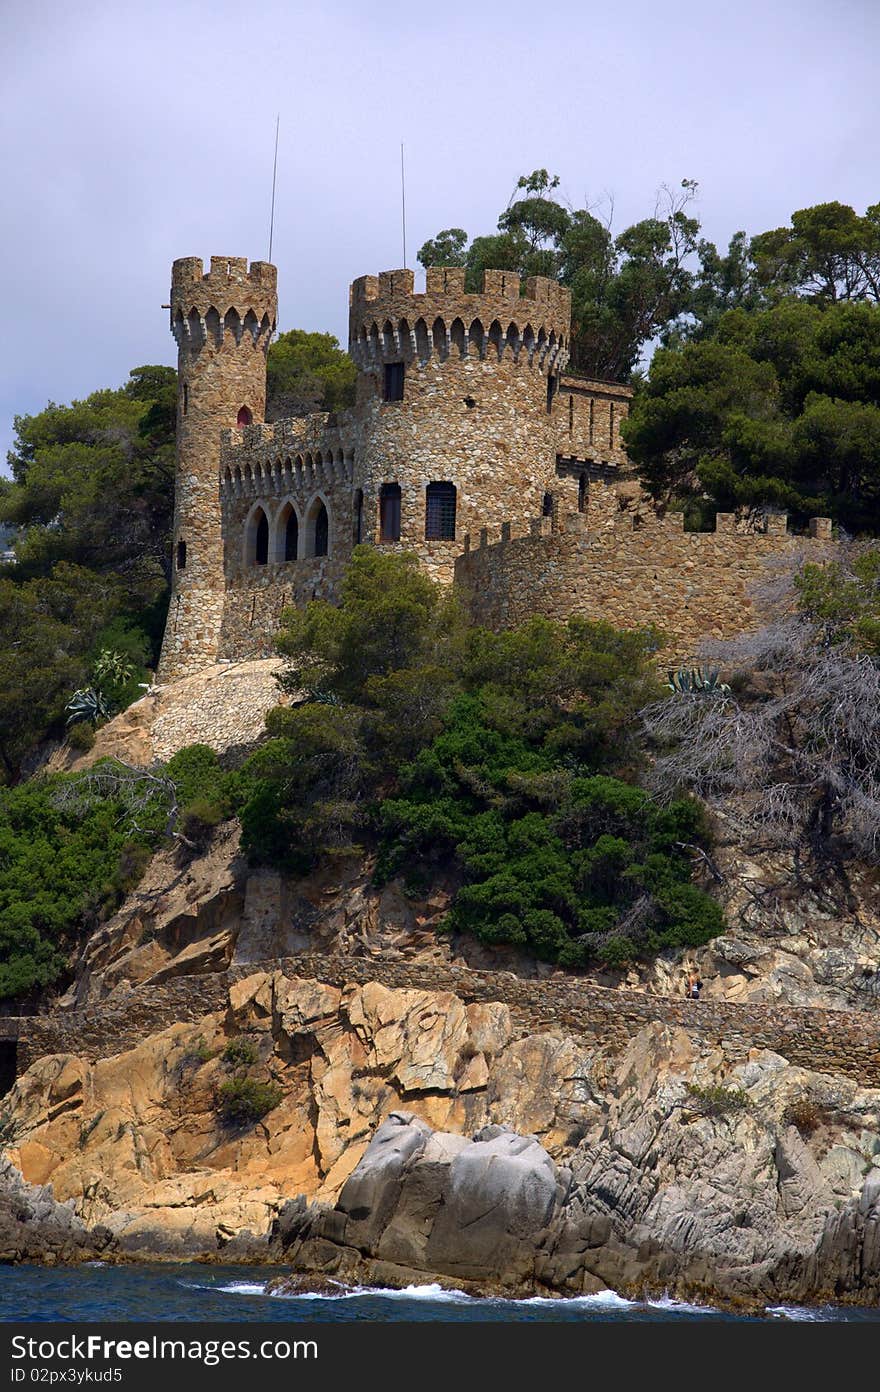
(633,568)
(232,298)
(388,321)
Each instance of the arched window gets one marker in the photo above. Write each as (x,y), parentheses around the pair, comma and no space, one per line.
(181,555)
(440,512)
(291,537)
(322,531)
(261,538)
(244,417)
(357,535)
(389,512)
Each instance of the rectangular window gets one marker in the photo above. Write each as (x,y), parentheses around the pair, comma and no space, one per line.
(393,381)
(440,512)
(389,512)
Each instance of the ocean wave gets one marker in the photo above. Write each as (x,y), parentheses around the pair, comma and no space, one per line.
(799,1312)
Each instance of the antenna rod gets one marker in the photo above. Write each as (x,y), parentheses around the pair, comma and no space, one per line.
(274,173)
(403,201)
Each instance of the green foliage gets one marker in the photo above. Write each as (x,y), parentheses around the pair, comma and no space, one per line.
(240,1052)
(842,599)
(498,754)
(307,372)
(91,499)
(81,736)
(715,1100)
(781,408)
(87,705)
(243,1100)
(625,290)
(60,871)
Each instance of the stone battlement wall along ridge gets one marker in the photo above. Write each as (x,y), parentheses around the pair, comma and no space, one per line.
(633,568)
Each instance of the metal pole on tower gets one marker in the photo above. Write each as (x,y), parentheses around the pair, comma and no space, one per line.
(274,175)
(403,201)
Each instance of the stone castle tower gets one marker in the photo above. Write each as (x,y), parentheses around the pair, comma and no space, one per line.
(223,322)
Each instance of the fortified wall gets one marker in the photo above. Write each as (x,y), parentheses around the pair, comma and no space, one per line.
(631,566)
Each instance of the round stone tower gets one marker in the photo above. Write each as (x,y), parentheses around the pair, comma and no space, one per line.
(223,322)
(455,397)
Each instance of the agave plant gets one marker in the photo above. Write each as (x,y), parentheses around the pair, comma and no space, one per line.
(692,681)
(87,704)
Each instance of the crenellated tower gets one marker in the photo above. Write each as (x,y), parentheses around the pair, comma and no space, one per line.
(223,322)
(455,404)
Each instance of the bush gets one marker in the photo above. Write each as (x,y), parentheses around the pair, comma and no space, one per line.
(243,1100)
(81,736)
(240,1052)
(716,1100)
(803,1113)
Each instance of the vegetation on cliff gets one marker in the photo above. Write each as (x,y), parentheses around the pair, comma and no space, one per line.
(504,758)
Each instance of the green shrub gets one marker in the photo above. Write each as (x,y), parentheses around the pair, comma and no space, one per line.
(81,736)
(240,1051)
(714,1100)
(242,1100)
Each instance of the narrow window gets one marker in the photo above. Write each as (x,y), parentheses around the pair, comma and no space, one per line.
(547,505)
(611,425)
(181,555)
(389,512)
(440,512)
(551,389)
(261,540)
(393,381)
(358,517)
(322,531)
(291,537)
(582,493)
(185,398)
(592,405)
(244,417)
(571,413)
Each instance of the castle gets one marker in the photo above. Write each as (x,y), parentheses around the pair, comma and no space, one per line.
(468,444)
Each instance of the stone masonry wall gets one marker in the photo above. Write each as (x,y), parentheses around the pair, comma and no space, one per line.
(828,1041)
(632,568)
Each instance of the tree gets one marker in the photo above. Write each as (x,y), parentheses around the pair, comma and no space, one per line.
(828,254)
(307,372)
(780,408)
(625,290)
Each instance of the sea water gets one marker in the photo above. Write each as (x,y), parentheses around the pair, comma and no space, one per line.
(238,1294)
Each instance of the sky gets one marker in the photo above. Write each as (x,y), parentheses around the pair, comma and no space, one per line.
(134,133)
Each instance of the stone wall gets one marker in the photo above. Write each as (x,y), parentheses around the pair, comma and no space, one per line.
(828,1041)
(631,567)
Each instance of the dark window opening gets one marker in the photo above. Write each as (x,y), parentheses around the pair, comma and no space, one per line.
(469,402)
(551,390)
(181,555)
(440,512)
(8,1065)
(358,528)
(611,425)
(322,531)
(261,546)
(393,381)
(582,493)
(185,398)
(592,405)
(389,512)
(547,505)
(244,417)
(570,414)
(291,537)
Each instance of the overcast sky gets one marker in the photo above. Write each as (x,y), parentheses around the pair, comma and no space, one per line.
(133,133)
